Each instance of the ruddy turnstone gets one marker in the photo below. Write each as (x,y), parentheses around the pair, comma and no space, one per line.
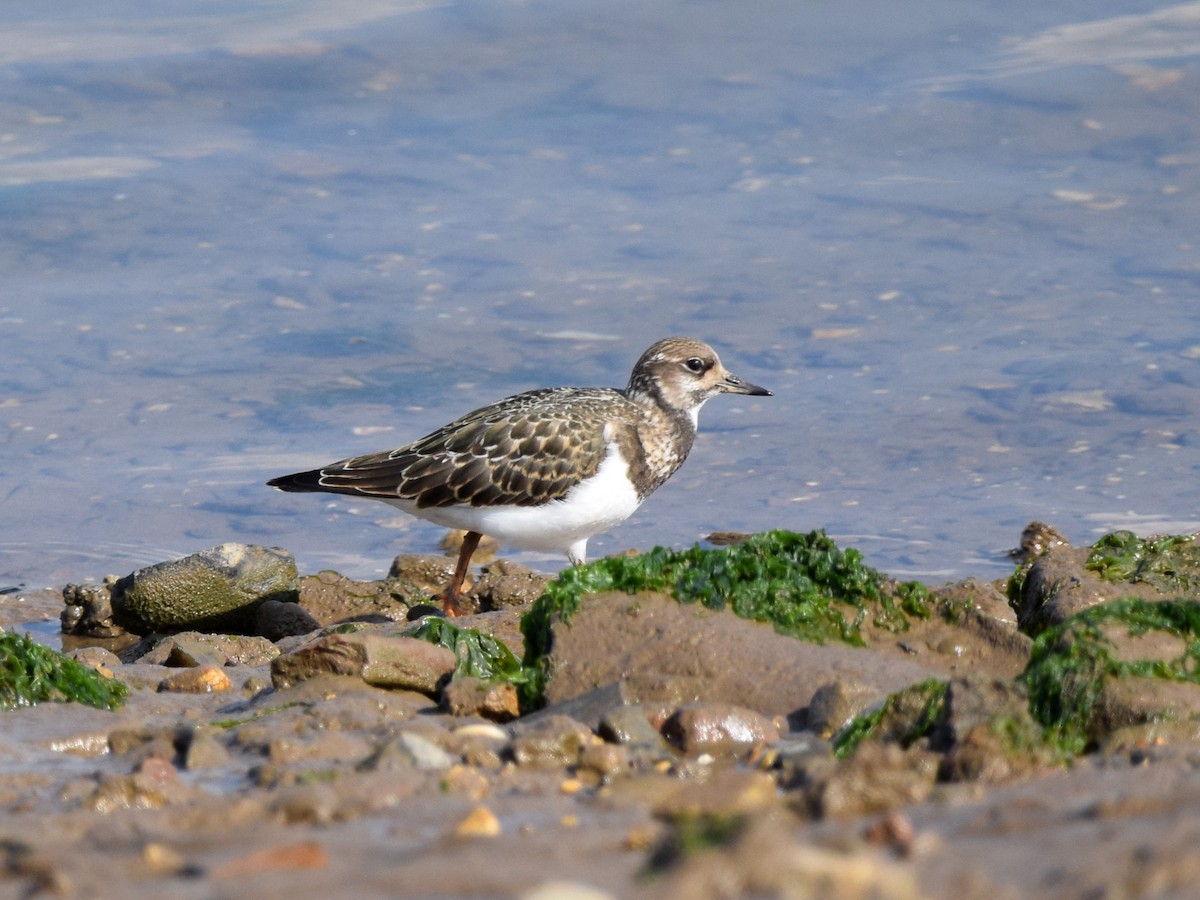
(547,469)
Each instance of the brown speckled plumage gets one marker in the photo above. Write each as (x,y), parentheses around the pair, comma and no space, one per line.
(532,449)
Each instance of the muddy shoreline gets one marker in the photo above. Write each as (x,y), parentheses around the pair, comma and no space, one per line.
(682,751)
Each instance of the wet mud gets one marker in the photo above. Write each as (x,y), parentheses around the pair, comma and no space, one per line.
(676,750)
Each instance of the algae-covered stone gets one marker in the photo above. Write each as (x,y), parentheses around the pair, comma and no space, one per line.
(1126,662)
(218,589)
(1064,580)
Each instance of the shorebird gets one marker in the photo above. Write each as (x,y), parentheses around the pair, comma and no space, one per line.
(546,469)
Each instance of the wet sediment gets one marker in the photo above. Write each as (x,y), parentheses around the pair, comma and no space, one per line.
(622,730)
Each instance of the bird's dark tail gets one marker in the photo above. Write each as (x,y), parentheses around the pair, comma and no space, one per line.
(298,482)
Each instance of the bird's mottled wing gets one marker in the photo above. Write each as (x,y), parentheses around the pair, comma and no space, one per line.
(524,451)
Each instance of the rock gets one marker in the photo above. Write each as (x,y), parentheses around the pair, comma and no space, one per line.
(428,573)
(204,751)
(1036,539)
(331,598)
(480,822)
(87,610)
(505,583)
(878,777)
(192,648)
(714,791)
(835,704)
(215,590)
(550,741)
(392,662)
(200,680)
(275,620)
(470,696)
(408,750)
(721,730)
(632,725)
(300,856)
(676,653)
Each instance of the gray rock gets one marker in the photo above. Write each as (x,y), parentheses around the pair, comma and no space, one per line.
(275,620)
(408,750)
(218,589)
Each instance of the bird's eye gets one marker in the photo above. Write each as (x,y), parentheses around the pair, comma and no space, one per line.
(695,365)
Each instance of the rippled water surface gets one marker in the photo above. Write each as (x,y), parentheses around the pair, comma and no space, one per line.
(242,238)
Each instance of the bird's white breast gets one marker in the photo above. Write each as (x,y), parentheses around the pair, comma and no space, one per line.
(590,507)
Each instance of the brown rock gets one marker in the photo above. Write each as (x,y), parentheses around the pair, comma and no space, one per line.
(199,680)
(1058,585)
(391,662)
(477,697)
(679,653)
(719,729)
(551,741)
(877,778)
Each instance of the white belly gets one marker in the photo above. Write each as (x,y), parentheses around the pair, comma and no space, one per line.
(598,504)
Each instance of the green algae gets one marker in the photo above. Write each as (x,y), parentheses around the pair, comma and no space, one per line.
(904,717)
(803,584)
(1071,662)
(1170,564)
(31,674)
(479,655)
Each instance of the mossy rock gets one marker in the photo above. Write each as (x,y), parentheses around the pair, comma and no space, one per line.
(216,590)
(1125,662)
(1064,580)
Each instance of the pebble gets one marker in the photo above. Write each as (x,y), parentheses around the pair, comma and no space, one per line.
(480,822)
(719,729)
(202,680)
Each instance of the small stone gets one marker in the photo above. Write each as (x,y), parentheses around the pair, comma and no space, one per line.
(204,751)
(163,860)
(629,725)
(566,890)
(98,658)
(834,704)
(469,696)
(465,780)
(719,729)
(720,791)
(604,761)
(202,680)
(553,741)
(408,750)
(505,583)
(480,822)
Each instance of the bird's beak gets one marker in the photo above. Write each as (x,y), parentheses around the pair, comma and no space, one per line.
(734,385)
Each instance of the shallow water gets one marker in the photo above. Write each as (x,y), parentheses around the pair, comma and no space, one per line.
(241,239)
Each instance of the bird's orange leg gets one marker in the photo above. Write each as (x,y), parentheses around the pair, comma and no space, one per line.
(450,598)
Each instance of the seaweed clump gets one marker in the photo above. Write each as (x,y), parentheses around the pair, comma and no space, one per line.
(479,655)
(31,674)
(1170,564)
(1072,663)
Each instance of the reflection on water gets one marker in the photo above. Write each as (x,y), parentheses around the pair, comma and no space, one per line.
(246,239)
